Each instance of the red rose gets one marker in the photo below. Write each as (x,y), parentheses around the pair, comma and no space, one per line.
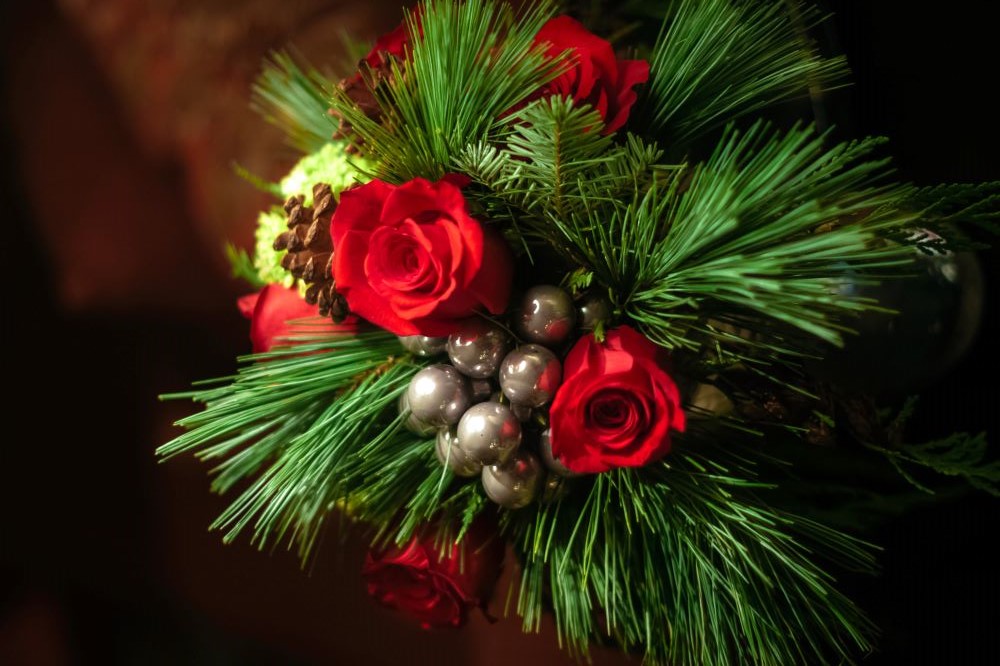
(411,259)
(272,308)
(596,76)
(616,405)
(394,43)
(435,591)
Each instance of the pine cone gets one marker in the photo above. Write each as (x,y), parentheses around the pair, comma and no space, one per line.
(309,249)
(360,89)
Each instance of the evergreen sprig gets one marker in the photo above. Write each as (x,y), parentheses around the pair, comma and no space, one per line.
(685,564)
(294,98)
(772,225)
(717,60)
(295,418)
(469,64)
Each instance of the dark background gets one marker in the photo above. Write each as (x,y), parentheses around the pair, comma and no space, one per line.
(120,122)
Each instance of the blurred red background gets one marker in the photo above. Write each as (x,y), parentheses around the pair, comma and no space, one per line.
(121,122)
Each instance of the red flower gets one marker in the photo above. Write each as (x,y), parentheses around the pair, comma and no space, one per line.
(437,592)
(411,259)
(272,308)
(616,405)
(596,76)
(394,43)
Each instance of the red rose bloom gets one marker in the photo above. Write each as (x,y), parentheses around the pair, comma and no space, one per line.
(272,308)
(437,592)
(411,259)
(616,405)
(596,76)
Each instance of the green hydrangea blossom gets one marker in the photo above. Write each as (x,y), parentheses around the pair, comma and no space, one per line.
(330,164)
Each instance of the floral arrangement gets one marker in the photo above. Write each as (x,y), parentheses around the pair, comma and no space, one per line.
(544,300)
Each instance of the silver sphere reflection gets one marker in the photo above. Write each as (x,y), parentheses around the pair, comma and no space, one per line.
(439,395)
(594,309)
(489,433)
(530,375)
(515,484)
(547,315)
(421,345)
(477,349)
(450,455)
(412,423)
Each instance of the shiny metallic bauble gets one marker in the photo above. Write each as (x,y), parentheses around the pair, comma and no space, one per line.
(477,349)
(939,307)
(552,463)
(522,412)
(451,456)
(547,315)
(516,483)
(412,423)
(482,390)
(439,395)
(489,433)
(421,345)
(593,309)
(530,375)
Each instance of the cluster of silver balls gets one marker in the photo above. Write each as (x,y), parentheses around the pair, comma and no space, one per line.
(488,406)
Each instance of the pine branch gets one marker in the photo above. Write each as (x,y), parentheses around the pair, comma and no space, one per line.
(295,99)
(770,228)
(470,63)
(716,60)
(296,418)
(683,563)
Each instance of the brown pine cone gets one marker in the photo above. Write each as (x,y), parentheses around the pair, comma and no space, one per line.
(360,87)
(309,249)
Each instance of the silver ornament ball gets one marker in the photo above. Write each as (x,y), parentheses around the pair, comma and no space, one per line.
(412,423)
(530,375)
(592,310)
(421,345)
(439,395)
(489,433)
(482,390)
(477,349)
(451,456)
(547,315)
(516,483)
(552,463)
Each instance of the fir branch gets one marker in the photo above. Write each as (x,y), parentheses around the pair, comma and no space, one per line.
(962,455)
(470,64)
(716,60)
(682,562)
(949,213)
(242,266)
(296,417)
(294,98)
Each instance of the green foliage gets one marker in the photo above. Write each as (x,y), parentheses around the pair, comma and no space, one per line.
(242,266)
(682,562)
(962,455)
(294,98)
(948,213)
(716,60)
(472,64)
(768,229)
(296,419)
